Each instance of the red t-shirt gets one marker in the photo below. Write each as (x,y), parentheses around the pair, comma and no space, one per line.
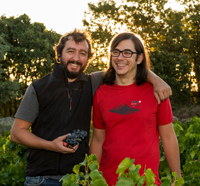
(130,115)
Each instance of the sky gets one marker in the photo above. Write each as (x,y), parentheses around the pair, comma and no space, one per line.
(59,15)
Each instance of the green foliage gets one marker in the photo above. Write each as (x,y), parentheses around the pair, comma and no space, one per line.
(9,88)
(191,150)
(91,176)
(167,55)
(127,170)
(31,53)
(12,162)
(192,21)
(27,55)
(132,177)
(4,47)
(188,135)
(172,49)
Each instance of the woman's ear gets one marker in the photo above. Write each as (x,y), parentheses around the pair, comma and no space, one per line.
(140,58)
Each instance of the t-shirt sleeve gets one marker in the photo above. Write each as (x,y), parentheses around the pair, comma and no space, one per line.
(164,114)
(29,107)
(97,118)
(97,80)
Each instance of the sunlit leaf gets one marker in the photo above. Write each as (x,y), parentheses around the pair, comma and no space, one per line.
(150,177)
(123,166)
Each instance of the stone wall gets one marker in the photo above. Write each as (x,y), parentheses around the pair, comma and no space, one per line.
(6,124)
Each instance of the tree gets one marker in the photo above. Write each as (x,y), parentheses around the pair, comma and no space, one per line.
(192,27)
(161,29)
(4,47)
(7,86)
(167,52)
(30,54)
(100,32)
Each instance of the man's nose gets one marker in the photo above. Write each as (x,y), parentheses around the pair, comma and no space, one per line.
(76,56)
(120,56)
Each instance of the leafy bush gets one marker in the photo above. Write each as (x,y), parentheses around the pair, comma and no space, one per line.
(91,176)
(190,150)
(128,175)
(12,162)
(188,135)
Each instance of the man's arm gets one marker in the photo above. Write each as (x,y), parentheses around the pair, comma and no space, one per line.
(20,134)
(97,80)
(97,140)
(161,89)
(171,148)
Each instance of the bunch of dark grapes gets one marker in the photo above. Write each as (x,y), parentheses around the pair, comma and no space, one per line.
(75,138)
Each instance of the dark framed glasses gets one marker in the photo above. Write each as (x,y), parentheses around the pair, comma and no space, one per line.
(125,53)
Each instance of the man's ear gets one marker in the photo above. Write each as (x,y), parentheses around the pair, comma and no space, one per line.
(140,58)
(59,59)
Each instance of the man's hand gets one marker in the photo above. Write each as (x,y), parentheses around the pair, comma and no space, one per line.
(20,134)
(57,146)
(161,90)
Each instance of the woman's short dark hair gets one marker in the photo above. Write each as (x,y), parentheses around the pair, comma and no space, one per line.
(142,68)
(78,36)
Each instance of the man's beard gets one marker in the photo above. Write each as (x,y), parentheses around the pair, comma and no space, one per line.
(71,74)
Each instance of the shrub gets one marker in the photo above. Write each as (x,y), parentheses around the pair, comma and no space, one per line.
(128,175)
(12,162)
(188,135)
(13,157)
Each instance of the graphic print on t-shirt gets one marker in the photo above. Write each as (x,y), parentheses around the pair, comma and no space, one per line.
(123,110)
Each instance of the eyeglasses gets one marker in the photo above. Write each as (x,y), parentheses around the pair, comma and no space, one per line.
(126,53)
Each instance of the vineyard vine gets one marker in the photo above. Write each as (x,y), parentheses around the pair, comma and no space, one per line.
(13,159)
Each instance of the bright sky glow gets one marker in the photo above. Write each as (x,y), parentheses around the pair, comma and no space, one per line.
(59,15)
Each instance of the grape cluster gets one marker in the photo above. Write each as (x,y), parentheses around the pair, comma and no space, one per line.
(75,138)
